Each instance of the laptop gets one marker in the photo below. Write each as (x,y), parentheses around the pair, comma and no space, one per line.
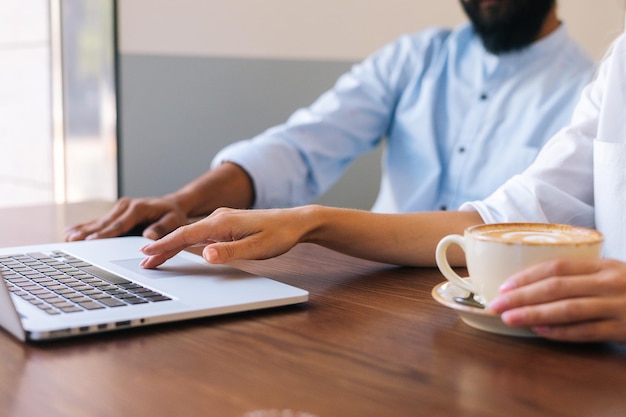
(67,289)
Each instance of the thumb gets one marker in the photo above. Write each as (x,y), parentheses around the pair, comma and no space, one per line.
(219,252)
(248,248)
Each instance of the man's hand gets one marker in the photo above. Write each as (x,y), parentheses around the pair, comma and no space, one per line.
(159,215)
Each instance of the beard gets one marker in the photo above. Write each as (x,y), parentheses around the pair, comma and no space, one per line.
(507,25)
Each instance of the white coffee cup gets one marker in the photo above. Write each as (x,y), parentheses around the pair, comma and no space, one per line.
(494,252)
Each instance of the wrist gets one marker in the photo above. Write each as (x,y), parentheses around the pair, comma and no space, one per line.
(228,185)
(182,200)
(312,217)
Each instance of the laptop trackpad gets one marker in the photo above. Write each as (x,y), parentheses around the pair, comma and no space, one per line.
(174,267)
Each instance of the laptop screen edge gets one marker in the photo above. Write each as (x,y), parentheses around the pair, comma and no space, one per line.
(9,317)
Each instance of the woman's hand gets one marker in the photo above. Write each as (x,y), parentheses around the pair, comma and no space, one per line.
(234,234)
(159,215)
(569,300)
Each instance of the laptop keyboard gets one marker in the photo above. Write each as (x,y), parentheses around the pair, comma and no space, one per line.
(59,283)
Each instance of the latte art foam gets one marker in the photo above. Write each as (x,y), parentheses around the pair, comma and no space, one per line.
(536,237)
(535,234)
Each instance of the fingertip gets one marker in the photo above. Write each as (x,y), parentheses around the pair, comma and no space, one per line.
(70,237)
(159,229)
(513,318)
(149,263)
(498,305)
(507,286)
(211,255)
(151,234)
(148,250)
(506,318)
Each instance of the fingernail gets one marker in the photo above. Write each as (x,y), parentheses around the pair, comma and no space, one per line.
(542,330)
(212,255)
(497,305)
(150,234)
(513,317)
(507,286)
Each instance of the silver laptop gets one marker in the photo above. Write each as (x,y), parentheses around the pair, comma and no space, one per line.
(61,290)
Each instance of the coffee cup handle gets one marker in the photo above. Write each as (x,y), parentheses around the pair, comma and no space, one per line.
(443,264)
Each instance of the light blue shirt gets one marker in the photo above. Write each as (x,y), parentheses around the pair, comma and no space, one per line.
(456,120)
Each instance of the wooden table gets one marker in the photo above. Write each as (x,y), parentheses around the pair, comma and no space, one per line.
(370,342)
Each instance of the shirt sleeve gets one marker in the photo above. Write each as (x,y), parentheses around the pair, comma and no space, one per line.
(295,162)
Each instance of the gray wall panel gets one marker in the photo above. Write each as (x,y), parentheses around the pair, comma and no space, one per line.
(176,112)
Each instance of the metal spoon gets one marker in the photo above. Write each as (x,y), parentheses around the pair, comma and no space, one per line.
(469,301)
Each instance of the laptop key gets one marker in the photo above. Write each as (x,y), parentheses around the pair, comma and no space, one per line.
(72,309)
(111,302)
(157,298)
(90,305)
(135,300)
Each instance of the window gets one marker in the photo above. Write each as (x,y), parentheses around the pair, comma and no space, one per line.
(57,101)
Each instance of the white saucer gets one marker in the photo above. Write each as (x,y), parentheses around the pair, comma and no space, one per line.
(478,318)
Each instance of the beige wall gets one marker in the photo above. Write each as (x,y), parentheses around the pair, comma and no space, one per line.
(594,23)
(317,29)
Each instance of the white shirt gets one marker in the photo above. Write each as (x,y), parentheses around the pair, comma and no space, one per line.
(458,121)
(580,175)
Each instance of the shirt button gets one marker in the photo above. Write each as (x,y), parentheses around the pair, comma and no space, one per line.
(443,208)
(461,149)
(483,96)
